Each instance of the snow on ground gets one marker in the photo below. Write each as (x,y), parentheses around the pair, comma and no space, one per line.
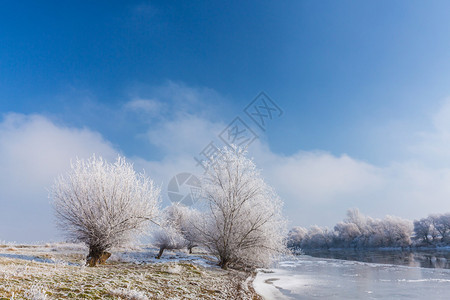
(280,283)
(266,284)
(55,271)
(145,255)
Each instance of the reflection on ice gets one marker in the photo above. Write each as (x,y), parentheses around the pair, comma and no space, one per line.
(422,258)
(318,278)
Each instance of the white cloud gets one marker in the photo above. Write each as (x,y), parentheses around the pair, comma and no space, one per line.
(146,106)
(317,186)
(180,140)
(33,151)
(189,134)
(433,146)
(179,99)
(322,177)
(441,119)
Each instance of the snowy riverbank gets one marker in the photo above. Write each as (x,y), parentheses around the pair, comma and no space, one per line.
(55,271)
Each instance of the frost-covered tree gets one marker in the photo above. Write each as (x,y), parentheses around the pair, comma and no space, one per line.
(189,217)
(296,236)
(177,229)
(354,216)
(318,237)
(364,224)
(365,232)
(168,237)
(104,205)
(424,231)
(395,232)
(359,231)
(442,225)
(433,230)
(243,225)
(347,234)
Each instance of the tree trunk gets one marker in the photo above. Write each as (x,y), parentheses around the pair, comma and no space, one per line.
(191,246)
(161,250)
(96,256)
(224,264)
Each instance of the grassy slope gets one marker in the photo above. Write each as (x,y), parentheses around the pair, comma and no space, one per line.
(26,279)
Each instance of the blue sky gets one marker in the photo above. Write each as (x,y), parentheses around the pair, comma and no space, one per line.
(364,87)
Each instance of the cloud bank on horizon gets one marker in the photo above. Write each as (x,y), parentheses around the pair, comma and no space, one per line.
(317,186)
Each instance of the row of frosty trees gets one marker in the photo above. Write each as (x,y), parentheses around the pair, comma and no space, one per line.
(106,205)
(360,231)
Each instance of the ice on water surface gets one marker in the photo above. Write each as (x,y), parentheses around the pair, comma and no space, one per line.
(309,277)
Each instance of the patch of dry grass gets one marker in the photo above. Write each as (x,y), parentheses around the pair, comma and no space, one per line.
(22,279)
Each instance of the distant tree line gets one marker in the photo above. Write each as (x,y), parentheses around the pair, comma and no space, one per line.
(358,231)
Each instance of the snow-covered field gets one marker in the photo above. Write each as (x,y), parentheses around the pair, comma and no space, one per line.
(55,271)
(307,277)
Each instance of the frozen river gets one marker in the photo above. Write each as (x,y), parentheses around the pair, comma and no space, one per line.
(308,277)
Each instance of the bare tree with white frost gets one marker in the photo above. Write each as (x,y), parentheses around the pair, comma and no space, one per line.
(432,230)
(243,225)
(295,236)
(169,236)
(442,225)
(104,205)
(188,218)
